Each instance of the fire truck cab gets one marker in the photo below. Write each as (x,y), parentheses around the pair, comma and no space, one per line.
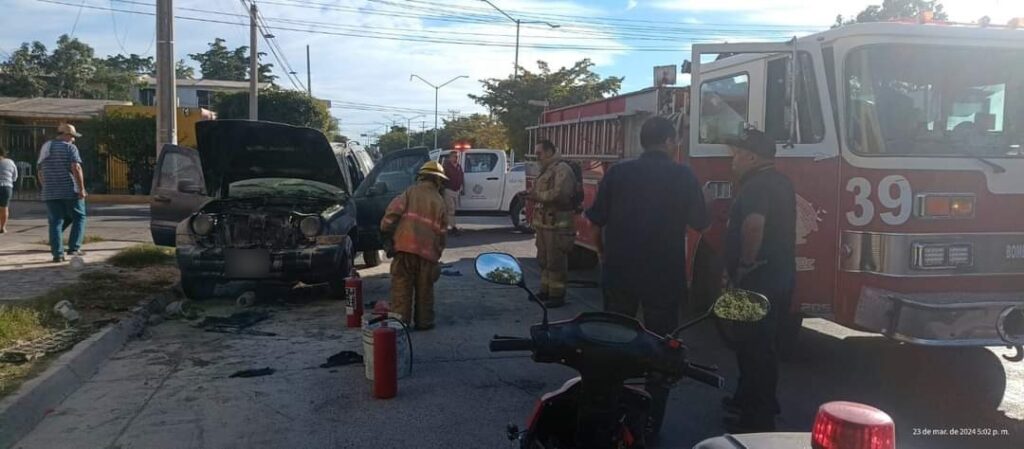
(904,144)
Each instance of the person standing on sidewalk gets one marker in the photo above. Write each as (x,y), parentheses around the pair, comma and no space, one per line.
(60,173)
(760,255)
(452,188)
(643,208)
(414,229)
(553,219)
(8,176)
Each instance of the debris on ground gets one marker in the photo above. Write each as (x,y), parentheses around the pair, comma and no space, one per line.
(77,263)
(237,323)
(50,344)
(246,373)
(246,299)
(343,358)
(180,309)
(65,309)
(451,272)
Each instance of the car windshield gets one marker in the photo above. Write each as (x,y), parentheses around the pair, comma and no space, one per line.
(284,187)
(918,100)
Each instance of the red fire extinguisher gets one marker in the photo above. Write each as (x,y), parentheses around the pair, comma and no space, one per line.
(353,301)
(385,363)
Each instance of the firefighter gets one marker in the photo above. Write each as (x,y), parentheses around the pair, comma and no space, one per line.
(760,255)
(414,226)
(553,213)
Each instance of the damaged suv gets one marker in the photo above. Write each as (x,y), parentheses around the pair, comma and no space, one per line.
(264,202)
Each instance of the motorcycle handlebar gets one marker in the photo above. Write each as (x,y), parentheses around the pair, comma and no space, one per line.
(500,344)
(704,376)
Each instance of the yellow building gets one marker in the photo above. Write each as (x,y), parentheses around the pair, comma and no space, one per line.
(187,119)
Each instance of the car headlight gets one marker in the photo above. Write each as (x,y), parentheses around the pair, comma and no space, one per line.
(310,226)
(202,224)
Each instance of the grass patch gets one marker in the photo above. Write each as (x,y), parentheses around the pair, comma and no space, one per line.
(20,323)
(87,240)
(145,255)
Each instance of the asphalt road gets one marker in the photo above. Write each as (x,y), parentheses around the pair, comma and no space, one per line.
(171,389)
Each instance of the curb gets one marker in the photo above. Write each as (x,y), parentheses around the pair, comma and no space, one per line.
(24,409)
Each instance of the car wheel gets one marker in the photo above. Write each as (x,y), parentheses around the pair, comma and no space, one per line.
(371,258)
(518,215)
(197,288)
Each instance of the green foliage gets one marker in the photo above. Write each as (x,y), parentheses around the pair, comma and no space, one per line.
(220,63)
(275,105)
(508,98)
(395,139)
(22,75)
(144,255)
(895,10)
(129,138)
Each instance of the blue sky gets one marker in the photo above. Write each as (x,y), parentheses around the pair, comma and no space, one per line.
(615,34)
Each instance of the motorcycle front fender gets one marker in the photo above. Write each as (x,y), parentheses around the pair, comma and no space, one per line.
(553,421)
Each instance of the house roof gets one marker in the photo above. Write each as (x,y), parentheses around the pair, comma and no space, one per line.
(205,83)
(70,108)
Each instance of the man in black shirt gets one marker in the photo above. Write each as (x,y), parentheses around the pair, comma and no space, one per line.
(760,256)
(643,208)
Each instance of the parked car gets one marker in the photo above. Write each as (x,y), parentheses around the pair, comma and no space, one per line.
(273,206)
(355,161)
(392,174)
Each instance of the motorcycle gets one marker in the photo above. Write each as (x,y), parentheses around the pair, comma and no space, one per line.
(599,408)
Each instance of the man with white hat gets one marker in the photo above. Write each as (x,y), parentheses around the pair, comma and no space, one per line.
(60,173)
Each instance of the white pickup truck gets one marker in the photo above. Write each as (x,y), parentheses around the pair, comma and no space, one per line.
(492,185)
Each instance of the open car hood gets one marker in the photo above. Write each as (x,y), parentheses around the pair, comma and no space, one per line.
(235,150)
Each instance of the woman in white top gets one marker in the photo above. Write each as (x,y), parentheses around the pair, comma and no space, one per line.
(8,175)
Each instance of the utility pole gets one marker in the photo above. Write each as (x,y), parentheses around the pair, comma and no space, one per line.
(518,22)
(436,90)
(309,82)
(167,97)
(454,113)
(254,66)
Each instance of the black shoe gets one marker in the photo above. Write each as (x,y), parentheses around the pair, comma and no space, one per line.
(58,259)
(749,424)
(76,252)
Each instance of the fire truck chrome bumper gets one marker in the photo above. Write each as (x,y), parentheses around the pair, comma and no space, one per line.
(944,319)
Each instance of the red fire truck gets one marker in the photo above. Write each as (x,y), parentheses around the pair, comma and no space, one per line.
(904,142)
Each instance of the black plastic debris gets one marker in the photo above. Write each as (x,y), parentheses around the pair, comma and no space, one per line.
(343,358)
(236,323)
(253,373)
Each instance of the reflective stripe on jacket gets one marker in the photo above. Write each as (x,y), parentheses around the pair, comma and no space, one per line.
(416,218)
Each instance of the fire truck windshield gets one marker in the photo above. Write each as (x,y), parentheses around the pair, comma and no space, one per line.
(925,100)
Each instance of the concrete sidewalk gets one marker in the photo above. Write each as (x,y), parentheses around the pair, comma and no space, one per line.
(26,267)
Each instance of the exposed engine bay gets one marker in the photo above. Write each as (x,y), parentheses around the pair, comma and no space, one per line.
(271,223)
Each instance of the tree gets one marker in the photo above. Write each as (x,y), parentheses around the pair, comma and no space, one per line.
(895,10)
(276,105)
(395,139)
(23,73)
(129,138)
(72,66)
(479,130)
(220,63)
(183,71)
(508,98)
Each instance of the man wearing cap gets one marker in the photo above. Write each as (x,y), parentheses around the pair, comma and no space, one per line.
(60,173)
(760,253)
(414,226)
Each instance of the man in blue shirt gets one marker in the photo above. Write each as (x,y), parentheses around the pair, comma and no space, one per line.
(643,208)
(60,173)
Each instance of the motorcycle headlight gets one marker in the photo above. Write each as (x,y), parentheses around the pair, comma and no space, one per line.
(310,226)
(202,224)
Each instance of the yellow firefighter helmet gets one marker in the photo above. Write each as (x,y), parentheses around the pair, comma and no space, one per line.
(432,168)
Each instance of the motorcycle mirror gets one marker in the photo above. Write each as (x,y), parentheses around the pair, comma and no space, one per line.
(499,268)
(741,305)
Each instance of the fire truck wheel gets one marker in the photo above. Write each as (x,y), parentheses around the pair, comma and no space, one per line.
(517,212)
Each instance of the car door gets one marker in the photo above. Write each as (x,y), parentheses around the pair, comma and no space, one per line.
(395,172)
(178,191)
(484,181)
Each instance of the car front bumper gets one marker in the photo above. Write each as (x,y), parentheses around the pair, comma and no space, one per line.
(316,264)
(944,319)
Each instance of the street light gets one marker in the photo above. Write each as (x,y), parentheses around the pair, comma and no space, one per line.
(515,68)
(408,128)
(436,89)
